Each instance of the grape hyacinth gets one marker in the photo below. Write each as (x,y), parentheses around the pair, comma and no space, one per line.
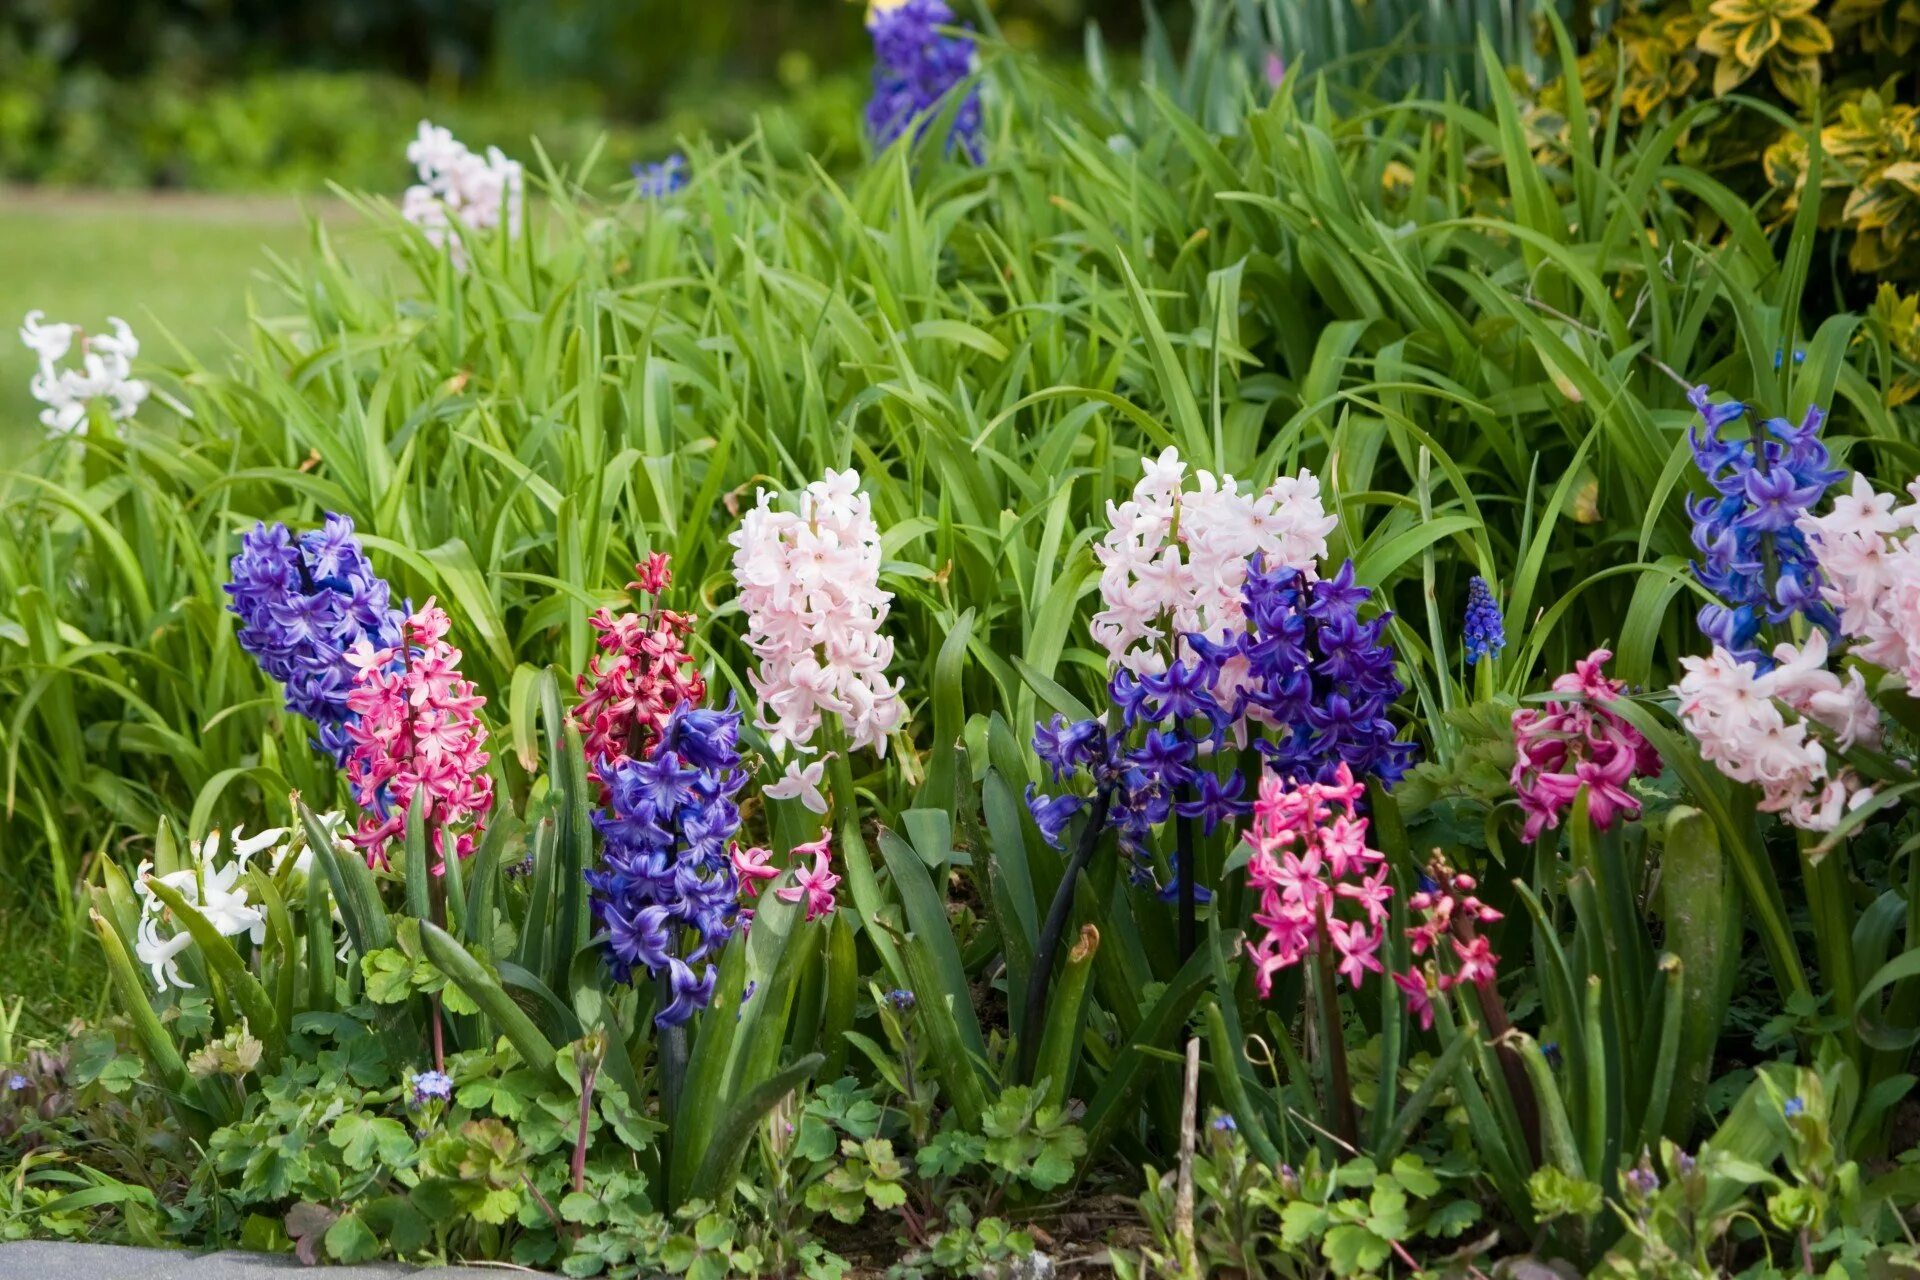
(642,673)
(810,588)
(1753,555)
(303,604)
(1484,632)
(105,373)
(666,891)
(1578,743)
(1309,857)
(915,67)
(661,178)
(415,731)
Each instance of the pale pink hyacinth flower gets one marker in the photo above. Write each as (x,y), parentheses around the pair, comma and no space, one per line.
(809,584)
(416,727)
(1309,856)
(1871,560)
(1175,559)
(1571,744)
(1732,709)
(460,187)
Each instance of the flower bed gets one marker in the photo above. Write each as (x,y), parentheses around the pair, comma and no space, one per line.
(795,728)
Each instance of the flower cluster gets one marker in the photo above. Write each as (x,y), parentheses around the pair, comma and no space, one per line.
(415,730)
(1448,911)
(1301,666)
(1174,560)
(1871,560)
(640,675)
(105,373)
(1730,708)
(810,587)
(1309,855)
(1752,554)
(457,186)
(1571,744)
(661,178)
(1484,631)
(666,891)
(916,66)
(303,603)
(214,889)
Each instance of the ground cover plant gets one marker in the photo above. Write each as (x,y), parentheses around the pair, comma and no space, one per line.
(1287,692)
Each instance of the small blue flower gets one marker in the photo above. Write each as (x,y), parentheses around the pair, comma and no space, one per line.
(1551,1052)
(1484,632)
(16,1082)
(1793,1107)
(901,999)
(431,1086)
(1224,1123)
(1779,356)
(662,178)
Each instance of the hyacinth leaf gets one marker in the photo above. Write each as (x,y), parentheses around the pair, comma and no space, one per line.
(735,1130)
(481,987)
(1558,1145)
(949,716)
(1226,1056)
(1660,1077)
(927,918)
(1066,1021)
(863,885)
(225,962)
(1421,1100)
(148,1031)
(418,878)
(1564,1006)
(482,874)
(320,945)
(842,982)
(280,930)
(1701,906)
(961,1072)
(1503,1149)
(1159,1029)
(565,1024)
(354,890)
(714,1031)
(1760,889)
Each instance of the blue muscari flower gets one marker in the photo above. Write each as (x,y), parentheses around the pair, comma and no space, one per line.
(16,1082)
(303,604)
(661,178)
(431,1086)
(1484,633)
(915,66)
(1752,556)
(665,891)
(1224,1123)
(901,999)
(1793,1107)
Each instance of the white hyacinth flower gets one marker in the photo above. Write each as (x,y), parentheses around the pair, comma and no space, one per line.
(104,372)
(460,188)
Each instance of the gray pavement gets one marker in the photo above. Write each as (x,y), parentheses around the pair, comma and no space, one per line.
(52,1260)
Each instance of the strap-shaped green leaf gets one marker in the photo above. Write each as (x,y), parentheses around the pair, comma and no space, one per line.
(225,961)
(354,890)
(730,1139)
(485,990)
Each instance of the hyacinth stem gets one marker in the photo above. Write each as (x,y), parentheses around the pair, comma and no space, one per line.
(673,1055)
(1493,1011)
(1183,867)
(1056,922)
(1333,1046)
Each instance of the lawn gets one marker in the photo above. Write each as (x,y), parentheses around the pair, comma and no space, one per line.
(179,268)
